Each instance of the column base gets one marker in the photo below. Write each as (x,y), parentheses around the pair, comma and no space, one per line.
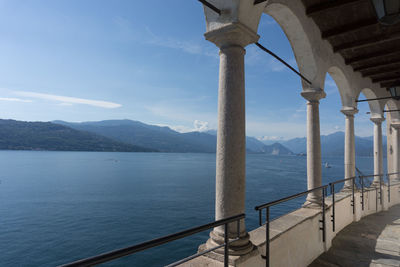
(312,204)
(375,184)
(236,248)
(217,259)
(347,188)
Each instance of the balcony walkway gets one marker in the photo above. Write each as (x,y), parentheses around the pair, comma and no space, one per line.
(373,241)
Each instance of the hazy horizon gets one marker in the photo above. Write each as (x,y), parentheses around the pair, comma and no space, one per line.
(260,138)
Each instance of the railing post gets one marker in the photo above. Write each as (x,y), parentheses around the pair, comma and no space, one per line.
(267,252)
(380,189)
(238,228)
(376,198)
(323,215)
(362,192)
(333,206)
(353,200)
(226,252)
(388,178)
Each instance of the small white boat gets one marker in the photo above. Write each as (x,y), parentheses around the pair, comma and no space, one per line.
(327,165)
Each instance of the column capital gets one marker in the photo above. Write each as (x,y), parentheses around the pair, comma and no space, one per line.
(232,34)
(395,125)
(377,120)
(313,94)
(349,111)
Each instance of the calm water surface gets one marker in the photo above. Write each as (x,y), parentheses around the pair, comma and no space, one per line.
(57,207)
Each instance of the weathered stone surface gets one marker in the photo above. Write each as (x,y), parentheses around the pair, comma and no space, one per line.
(314,173)
(373,241)
(349,146)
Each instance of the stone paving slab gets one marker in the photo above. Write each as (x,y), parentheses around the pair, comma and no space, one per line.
(374,242)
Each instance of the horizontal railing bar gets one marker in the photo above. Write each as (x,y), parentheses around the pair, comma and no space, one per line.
(274,219)
(275,202)
(370,176)
(393,173)
(199,254)
(194,256)
(150,244)
(343,180)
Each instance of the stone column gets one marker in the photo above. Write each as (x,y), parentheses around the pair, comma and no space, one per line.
(314,174)
(349,146)
(396,152)
(389,146)
(231,137)
(378,148)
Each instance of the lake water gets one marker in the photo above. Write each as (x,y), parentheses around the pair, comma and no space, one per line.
(57,207)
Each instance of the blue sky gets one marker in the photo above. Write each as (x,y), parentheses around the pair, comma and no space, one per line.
(93,60)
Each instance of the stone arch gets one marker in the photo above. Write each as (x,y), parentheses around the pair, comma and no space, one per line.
(391,104)
(343,85)
(375,106)
(298,38)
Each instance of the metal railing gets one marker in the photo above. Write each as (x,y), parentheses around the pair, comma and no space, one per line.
(323,188)
(268,205)
(166,239)
(388,182)
(332,186)
(362,177)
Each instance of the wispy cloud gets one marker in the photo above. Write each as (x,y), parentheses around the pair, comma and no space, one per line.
(178,128)
(169,42)
(282,129)
(270,138)
(198,126)
(180,113)
(65,100)
(147,36)
(330,83)
(256,57)
(13,99)
(330,87)
(267,22)
(277,66)
(65,104)
(300,112)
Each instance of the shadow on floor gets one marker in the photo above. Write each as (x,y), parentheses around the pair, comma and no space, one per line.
(373,241)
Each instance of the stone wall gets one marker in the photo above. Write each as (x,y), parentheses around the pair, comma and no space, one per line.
(296,239)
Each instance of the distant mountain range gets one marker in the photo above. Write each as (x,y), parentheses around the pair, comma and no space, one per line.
(135,136)
(19,135)
(333,145)
(164,139)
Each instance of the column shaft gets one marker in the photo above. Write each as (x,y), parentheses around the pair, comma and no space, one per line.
(349,146)
(314,164)
(231,138)
(349,150)
(396,152)
(378,150)
(389,144)
(231,149)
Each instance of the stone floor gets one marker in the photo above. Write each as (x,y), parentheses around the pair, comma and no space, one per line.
(373,241)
